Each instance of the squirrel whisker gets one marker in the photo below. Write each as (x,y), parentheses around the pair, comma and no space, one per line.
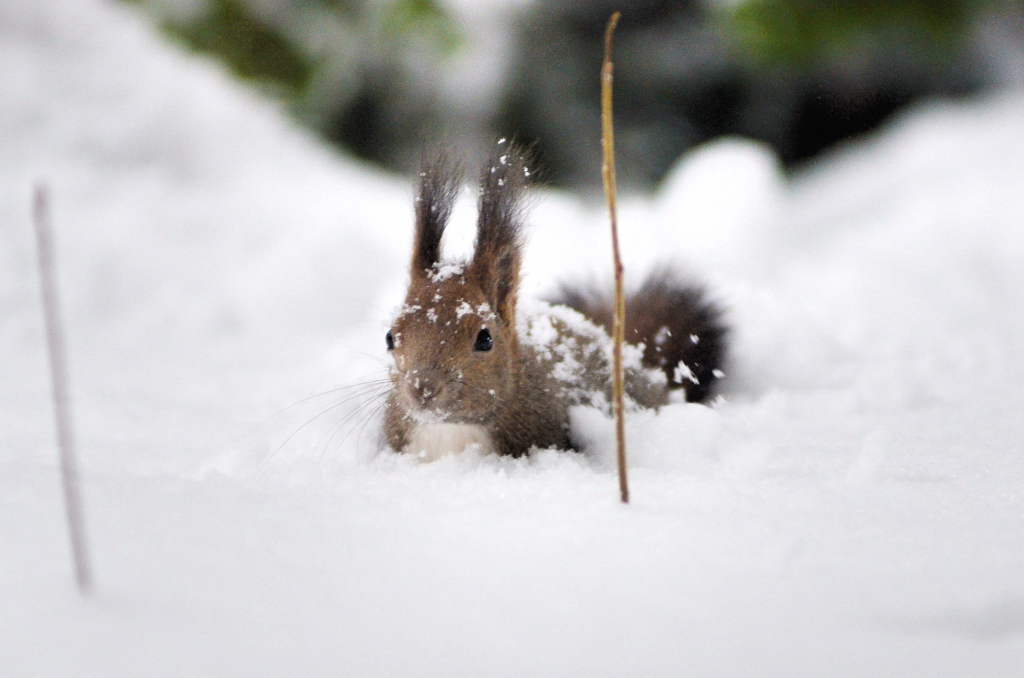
(383,387)
(377,399)
(380,382)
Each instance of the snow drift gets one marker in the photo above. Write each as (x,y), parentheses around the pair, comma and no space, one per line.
(852,506)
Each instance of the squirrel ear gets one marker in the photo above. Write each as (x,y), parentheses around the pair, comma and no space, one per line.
(440,181)
(497,254)
(502,285)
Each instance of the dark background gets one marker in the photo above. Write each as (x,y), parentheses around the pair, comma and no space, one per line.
(379,79)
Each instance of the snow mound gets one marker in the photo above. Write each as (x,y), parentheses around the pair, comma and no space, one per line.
(852,506)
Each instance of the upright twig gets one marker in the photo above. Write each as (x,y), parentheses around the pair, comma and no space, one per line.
(61,406)
(619,316)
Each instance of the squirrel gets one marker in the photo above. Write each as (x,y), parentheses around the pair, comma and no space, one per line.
(467,371)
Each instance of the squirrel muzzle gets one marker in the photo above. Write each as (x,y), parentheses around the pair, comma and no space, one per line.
(429,395)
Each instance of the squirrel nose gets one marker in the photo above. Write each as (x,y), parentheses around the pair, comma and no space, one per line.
(422,386)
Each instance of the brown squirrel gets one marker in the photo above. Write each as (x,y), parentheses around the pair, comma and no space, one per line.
(467,371)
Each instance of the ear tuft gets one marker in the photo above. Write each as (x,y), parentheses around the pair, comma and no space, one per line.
(440,181)
(497,255)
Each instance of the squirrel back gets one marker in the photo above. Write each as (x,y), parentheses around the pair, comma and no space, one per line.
(468,372)
(680,331)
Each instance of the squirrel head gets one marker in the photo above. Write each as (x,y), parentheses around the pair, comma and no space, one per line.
(454,343)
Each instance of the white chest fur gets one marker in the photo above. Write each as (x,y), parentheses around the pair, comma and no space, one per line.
(430,442)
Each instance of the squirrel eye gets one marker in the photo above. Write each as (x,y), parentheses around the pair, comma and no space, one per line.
(389,340)
(483,341)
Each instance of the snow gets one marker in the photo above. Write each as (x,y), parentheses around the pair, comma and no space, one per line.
(444,270)
(852,507)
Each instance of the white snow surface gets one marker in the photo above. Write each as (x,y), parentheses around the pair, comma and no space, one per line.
(852,507)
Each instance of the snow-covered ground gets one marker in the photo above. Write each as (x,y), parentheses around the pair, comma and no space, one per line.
(854,507)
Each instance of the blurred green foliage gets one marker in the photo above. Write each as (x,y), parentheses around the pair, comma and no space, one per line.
(269,54)
(250,47)
(426,17)
(802,33)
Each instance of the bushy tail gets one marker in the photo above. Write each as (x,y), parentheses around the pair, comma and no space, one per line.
(682,331)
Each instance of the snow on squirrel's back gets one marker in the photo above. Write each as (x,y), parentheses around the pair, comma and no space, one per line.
(580,353)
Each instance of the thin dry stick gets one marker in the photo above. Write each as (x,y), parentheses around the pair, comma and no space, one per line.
(61,406)
(619,321)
